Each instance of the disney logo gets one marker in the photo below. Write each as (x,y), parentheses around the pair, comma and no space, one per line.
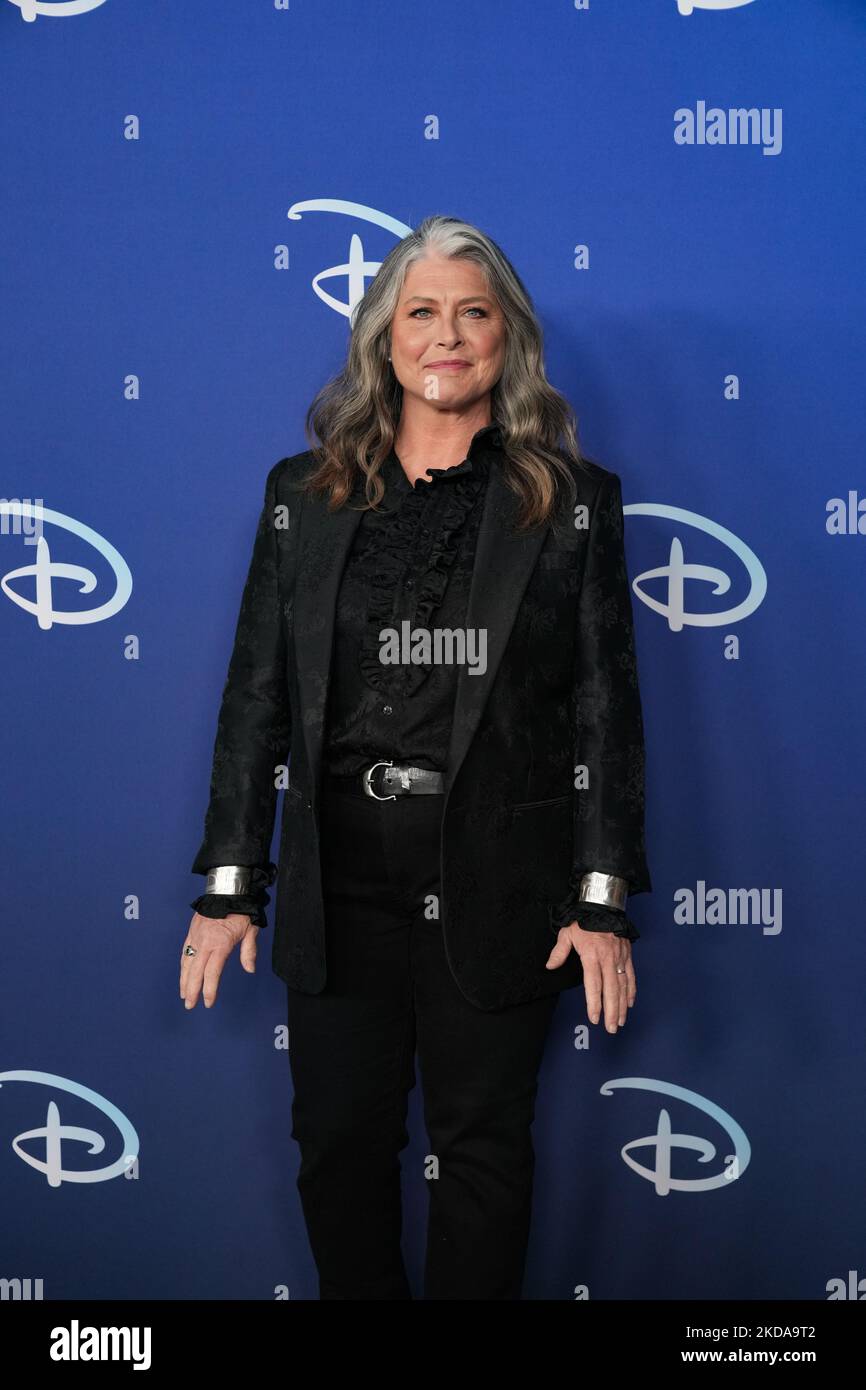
(357,270)
(676,572)
(45,570)
(54,1133)
(665,1140)
(59,9)
(686,6)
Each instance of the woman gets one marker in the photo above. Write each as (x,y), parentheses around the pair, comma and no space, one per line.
(436,633)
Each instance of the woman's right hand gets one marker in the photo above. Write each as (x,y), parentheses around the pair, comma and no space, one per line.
(214,939)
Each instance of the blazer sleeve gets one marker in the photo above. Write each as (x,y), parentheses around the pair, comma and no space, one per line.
(610,809)
(254,724)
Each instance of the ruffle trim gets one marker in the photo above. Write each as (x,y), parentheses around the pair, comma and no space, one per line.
(385,566)
(591,917)
(251,904)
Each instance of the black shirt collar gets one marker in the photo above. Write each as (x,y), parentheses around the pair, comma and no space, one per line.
(483,442)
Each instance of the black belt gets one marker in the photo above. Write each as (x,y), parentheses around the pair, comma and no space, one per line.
(385,780)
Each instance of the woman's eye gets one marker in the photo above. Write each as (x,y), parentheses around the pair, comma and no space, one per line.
(474,309)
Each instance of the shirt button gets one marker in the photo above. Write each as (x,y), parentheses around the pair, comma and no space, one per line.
(387,709)
(410,583)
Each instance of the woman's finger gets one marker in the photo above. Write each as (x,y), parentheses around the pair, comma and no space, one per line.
(614,992)
(621,968)
(213,968)
(561,950)
(185,960)
(248,949)
(592,987)
(194,976)
(631,982)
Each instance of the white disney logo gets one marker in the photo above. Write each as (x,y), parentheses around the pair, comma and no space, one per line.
(666,1140)
(686,6)
(676,572)
(45,570)
(357,270)
(58,9)
(54,1133)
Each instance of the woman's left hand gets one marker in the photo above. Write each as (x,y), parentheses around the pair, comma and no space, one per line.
(601,953)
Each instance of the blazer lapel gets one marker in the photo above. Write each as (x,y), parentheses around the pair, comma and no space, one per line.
(504,562)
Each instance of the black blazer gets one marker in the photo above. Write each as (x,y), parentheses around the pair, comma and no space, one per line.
(560,692)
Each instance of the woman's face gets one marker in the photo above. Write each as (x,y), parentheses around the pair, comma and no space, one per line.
(445,315)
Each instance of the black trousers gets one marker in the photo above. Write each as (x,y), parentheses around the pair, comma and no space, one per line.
(352,1051)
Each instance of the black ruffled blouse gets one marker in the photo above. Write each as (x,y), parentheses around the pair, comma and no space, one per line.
(409,568)
(411,562)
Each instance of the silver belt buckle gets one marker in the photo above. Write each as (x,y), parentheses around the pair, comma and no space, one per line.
(366,777)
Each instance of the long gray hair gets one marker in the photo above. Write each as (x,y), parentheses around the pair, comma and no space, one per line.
(356,414)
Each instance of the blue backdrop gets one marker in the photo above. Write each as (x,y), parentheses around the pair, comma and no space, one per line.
(683,194)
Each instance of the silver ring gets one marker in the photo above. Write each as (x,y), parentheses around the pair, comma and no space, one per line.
(620,970)
(190,951)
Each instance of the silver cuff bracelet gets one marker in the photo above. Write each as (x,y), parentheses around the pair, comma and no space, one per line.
(607,889)
(232,879)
